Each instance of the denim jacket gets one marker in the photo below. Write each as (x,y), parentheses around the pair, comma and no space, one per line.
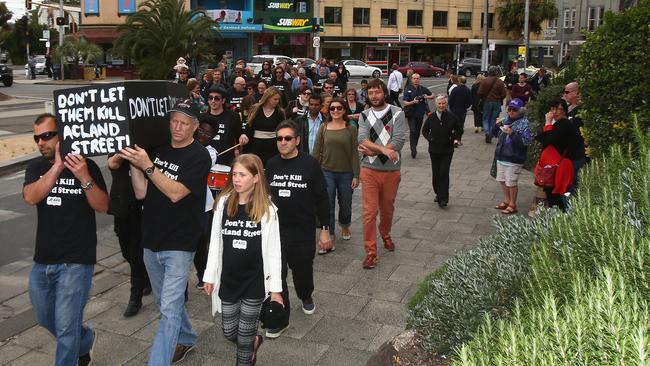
(513,148)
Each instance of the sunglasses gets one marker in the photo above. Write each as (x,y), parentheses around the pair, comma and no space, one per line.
(336,108)
(567,91)
(307,93)
(285,138)
(279,72)
(214,98)
(45,136)
(511,109)
(183,73)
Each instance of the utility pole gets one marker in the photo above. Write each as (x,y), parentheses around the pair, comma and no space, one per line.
(61,30)
(526,30)
(317,49)
(485,51)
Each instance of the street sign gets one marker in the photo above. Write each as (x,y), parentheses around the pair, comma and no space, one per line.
(46,33)
(402,37)
(521,50)
(43,39)
(316,42)
(549,33)
(492,46)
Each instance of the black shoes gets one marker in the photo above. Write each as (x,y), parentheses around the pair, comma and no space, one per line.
(132,308)
(488,139)
(414,153)
(442,204)
(86,360)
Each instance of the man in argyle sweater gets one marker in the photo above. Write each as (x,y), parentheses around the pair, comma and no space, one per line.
(382,133)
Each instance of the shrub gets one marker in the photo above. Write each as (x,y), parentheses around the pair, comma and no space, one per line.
(482,281)
(587,299)
(614,82)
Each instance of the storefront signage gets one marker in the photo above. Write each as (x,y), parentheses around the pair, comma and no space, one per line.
(232,27)
(447,39)
(225,15)
(289,25)
(279,4)
(91,7)
(125,7)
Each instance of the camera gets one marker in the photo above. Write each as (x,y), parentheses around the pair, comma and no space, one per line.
(419,98)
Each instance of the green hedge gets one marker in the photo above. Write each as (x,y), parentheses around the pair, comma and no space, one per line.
(451,303)
(614,80)
(588,297)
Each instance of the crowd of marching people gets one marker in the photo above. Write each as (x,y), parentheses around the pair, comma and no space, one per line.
(279,150)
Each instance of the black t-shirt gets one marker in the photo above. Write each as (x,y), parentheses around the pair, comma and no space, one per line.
(66,231)
(242,276)
(227,128)
(266,77)
(299,190)
(122,201)
(176,226)
(234,98)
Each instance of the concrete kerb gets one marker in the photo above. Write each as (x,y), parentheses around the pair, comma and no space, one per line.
(17,164)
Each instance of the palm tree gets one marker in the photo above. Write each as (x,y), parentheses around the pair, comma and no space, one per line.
(510,15)
(162,30)
(81,50)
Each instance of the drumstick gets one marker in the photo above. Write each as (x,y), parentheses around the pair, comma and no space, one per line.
(228,149)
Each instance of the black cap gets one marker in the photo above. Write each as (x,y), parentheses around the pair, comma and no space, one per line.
(217,88)
(187,108)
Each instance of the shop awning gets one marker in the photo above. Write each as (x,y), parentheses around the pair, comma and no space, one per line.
(97,34)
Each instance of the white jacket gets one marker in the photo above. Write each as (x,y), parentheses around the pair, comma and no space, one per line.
(271,254)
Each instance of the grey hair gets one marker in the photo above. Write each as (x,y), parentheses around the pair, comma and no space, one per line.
(492,71)
(301,71)
(440,97)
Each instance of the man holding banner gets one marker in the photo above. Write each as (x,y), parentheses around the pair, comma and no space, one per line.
(66,191)
(173,185)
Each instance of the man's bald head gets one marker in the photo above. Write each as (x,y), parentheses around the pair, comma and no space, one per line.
(572,93)
(240,83)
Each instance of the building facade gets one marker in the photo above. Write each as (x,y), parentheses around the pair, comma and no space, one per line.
(396,31)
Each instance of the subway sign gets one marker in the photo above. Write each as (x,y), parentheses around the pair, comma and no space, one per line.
(279,5)
(289,24)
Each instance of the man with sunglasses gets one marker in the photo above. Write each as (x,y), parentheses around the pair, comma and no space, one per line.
(67,191)
(183,74)
(282,85)
(579,159)
(236,94)
(299,189)
(225,124)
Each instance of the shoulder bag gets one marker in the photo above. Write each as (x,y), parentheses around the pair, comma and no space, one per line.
(545,174)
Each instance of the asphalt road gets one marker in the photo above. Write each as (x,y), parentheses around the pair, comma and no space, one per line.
(17,219)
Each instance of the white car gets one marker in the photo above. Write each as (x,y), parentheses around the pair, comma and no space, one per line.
(308,61)
(40,65)
(256,61)
(361,69)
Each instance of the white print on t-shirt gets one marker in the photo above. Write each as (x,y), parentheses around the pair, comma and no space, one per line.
(165,166)
(284,193)
(239,244)
(53,201)
(287,181)
(240,228)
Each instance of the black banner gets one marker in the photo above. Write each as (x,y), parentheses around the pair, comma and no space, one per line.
(103,118)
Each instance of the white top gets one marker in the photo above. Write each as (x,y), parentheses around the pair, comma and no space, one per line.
(271,254)
(395,81)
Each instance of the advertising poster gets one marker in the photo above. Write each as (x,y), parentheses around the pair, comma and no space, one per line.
(91,7)
(125,7)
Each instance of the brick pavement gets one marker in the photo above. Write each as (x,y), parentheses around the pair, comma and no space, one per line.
(357,310)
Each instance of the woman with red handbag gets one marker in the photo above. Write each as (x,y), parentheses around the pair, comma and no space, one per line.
(554,170)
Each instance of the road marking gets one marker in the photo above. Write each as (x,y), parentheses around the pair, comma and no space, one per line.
(436,86)
(3,132)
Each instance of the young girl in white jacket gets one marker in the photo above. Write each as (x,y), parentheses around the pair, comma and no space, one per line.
(244,260)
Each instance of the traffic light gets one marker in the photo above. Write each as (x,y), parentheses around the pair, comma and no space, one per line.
(28,4)
(61,20)
(315,28)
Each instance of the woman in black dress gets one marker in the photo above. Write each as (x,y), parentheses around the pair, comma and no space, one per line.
(265,116)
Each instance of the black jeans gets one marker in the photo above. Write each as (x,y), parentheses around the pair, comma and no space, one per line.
(440,164)
(129,234)
(415,126)
(393,98)
(556,200)
(201,256)
(478,118)
(300,258)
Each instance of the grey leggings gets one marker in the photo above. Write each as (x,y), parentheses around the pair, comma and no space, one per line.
(240,322)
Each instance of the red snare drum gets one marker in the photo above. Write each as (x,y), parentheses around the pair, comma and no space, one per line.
(218,177)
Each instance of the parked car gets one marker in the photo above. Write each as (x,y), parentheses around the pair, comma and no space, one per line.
(308,61)
(469,66)
(361,69)
(40,65)
(7,75)
(256,61)
(422,68)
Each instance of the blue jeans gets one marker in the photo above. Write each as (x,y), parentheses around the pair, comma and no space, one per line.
(59,293)
(339,185)
(168,271)
(491,112)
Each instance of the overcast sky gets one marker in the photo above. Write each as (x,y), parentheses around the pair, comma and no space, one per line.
(17,7)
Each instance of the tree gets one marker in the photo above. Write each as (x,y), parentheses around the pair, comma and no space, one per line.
(510,14)
(613,78)
(160,31)
(82,50)
(5,16)
(25,31)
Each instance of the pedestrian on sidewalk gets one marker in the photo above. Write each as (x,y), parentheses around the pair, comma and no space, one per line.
(31,63)
(382,134)
(395,81)
(244,260)
(67,191)
(443,131)
(299,190)
(514,137)
(415,107)
(127,224)
(172,184)
(477,104)
(492,90)
(336,150)
(460,99)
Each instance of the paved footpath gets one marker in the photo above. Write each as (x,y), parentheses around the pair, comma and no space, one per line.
(356,310)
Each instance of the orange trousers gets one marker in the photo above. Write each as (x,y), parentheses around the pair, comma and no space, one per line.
(378,190)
